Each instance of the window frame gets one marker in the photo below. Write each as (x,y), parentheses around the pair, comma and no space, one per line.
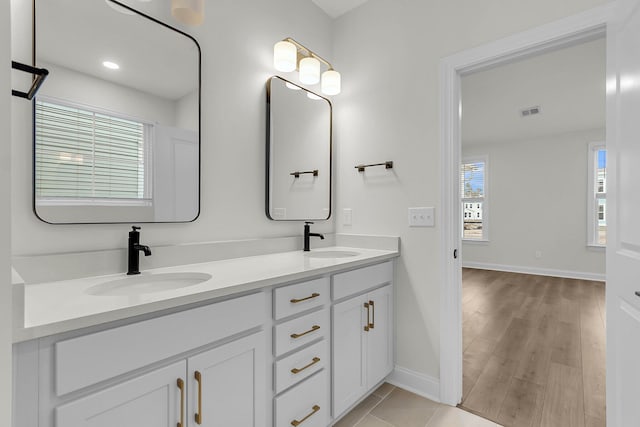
(593,196)
(484,200)
(149,137)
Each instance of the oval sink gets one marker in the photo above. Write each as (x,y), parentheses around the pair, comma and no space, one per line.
(147,284)
(331,254)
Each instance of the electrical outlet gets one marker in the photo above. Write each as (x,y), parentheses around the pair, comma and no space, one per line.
(347,216)
(422,217)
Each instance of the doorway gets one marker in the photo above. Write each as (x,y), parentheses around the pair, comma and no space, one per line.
(569,31)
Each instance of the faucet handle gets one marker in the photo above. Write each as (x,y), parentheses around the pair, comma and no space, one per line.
(135,228)
(308,222)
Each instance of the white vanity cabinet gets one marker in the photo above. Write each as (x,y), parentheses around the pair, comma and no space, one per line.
(150,400)
(301,354)
(362,333)
(200,367)
(218,387)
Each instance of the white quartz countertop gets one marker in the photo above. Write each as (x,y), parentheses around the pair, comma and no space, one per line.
(56,307)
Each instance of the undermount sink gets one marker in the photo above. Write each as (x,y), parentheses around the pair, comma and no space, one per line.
(332,254)
(147,284)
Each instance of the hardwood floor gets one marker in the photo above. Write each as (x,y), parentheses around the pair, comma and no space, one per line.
(534,349)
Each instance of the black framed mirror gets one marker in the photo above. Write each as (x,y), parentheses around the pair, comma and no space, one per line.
(117,123)
(299,150)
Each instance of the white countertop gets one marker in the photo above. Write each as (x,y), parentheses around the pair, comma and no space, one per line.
(56,307)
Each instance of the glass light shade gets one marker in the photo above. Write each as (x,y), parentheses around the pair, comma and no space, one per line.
(285,56)
(331,82)
(190,12)
(309,71)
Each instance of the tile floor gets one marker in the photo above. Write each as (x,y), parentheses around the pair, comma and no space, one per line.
(391,406)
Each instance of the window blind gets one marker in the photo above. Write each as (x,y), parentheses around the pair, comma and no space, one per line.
(472,180)
(85,154)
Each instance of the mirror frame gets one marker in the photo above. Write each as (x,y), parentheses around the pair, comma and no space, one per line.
(33,155)
(268,152)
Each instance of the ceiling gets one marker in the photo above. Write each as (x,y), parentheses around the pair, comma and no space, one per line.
(335,8)
(567,84)
(80,35)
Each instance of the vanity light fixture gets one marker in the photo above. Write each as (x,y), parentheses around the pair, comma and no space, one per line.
(190,12)
(288,55)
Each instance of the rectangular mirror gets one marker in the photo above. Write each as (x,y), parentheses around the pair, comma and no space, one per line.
(117,123)
(298,153)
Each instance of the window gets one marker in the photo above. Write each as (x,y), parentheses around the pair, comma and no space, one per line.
(597,211)
(89,157)
(473,193)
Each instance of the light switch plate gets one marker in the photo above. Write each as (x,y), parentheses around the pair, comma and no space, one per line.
(347,216)
(422,217)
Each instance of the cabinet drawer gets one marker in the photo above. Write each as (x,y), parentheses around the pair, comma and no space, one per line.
(358,281)
(89,359)
(293,299)
(302,330)
(305,403)
(300,365)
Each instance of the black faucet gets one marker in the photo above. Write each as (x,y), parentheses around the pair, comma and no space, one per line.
(308,233)
(134,251)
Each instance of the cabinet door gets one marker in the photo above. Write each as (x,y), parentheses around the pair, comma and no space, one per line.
(151,400)
(349,381)
(379,337)
(229,387)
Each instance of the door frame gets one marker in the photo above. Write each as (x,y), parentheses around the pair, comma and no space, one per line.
(575,29)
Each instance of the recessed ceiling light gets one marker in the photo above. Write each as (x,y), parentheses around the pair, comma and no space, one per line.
(111,65)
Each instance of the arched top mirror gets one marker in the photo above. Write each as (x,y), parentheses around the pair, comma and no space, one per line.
(298,153)
(117,123)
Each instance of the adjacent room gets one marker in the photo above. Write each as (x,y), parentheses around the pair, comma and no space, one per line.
(533,194)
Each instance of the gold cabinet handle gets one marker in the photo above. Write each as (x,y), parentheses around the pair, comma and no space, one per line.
(373,315)
(295,423)
(313,295)
(181,387)
(313,329)
(366,326)
(198,376)
(298,370)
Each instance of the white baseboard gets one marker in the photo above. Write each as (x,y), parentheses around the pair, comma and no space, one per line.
(415,382)
(535,270)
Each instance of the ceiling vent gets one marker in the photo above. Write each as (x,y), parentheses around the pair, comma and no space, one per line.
(531,111)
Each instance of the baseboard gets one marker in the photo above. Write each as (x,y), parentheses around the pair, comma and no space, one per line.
(415,382)
(535,270)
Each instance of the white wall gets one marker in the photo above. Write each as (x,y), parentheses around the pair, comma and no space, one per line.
(5,219)
(237,47)
(388,52)
(69,85)
(537,197)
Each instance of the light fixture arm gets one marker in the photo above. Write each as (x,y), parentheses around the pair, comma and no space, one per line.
(310,53)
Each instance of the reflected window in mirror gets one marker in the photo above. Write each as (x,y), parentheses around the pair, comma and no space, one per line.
(117,124)
(299,149)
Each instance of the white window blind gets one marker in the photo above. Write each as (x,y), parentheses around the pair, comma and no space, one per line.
(597,212)
(83,154)
(473,197)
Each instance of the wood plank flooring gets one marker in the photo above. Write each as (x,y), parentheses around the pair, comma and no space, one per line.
(534,349)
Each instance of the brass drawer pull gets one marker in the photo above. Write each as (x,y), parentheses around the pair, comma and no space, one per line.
(313,329)
(366,326)
(313,295)
(298,370)
(198,377)
(295,423)
(373,315)
(181,387)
